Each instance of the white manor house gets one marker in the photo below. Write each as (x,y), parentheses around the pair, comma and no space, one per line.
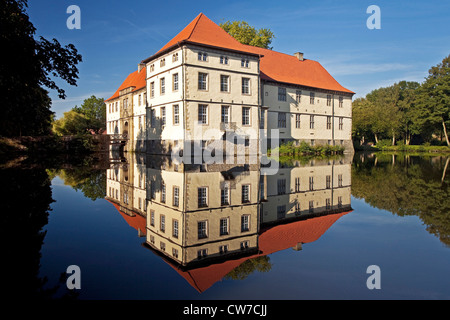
(205,88)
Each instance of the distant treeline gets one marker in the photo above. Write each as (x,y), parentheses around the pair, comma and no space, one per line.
(406,112)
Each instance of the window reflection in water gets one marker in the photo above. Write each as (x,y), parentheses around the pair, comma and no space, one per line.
(209,221)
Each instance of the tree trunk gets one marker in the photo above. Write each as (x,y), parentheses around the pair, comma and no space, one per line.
(445,169)
(376,138)
(445,132)
(393,139)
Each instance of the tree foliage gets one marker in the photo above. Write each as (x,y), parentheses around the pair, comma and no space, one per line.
(406,185)
(246,34)
(90,117)
(406,109)
(27,67)
(94,109)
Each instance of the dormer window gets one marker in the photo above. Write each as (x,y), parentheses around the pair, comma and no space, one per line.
(202,56)
(223,59)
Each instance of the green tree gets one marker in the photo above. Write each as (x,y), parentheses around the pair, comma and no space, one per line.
(72,123)
(246,34)
(434,97)
(94,109)
(28,65)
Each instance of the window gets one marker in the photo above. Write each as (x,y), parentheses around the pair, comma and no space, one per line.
(163,192)
(297,120)
(340,202)
(152,218)
(281,186)
(245,116)
(202,81)
(153,118)
(311,97)
(175,253)
(281,212)
(163,116)
(297,184)
(225,195)
(262,120)
(328,204)
(328,182)
(202,253)
(244,63)
(162,63)
(245,193)
(223,226)
(140,100)
(175,57)
(202,197)
(125,103)
(341,101)
(152,89)
(176,196)
(202,56)
(341,123)
(139,123)
(152,67)
(311,206)
(328,122)
(224,81)
(225,115)
(245,223)
(297,209)
(162,245)
(162,223)
(162,83)
(311,183)
(202,229)
(245,85)
(298,96)
(281,119)
(244,245)
(340,180)
(223,59)
(328,100)
(175,82)
(175,228)
(311,122)
(281,94)
(203,113)
(117,106)
(223,249)
(176,114)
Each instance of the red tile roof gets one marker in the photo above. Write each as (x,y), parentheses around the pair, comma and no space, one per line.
(271,239)
(137,222)
(135,79)
(274,65)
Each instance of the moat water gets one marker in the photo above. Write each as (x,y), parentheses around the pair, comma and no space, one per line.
(383,210)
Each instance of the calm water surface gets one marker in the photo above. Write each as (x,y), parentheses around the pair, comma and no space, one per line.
(143,228)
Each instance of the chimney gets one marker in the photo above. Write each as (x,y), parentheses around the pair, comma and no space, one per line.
(299,55)
(141,66)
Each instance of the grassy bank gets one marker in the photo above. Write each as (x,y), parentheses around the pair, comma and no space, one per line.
(406,148)
(305,149)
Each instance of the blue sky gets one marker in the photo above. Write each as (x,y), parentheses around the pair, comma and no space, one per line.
(116,35)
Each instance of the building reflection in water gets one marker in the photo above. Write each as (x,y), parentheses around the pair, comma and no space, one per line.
(206,220)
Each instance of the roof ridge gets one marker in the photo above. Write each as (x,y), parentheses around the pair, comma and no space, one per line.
(195,25)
